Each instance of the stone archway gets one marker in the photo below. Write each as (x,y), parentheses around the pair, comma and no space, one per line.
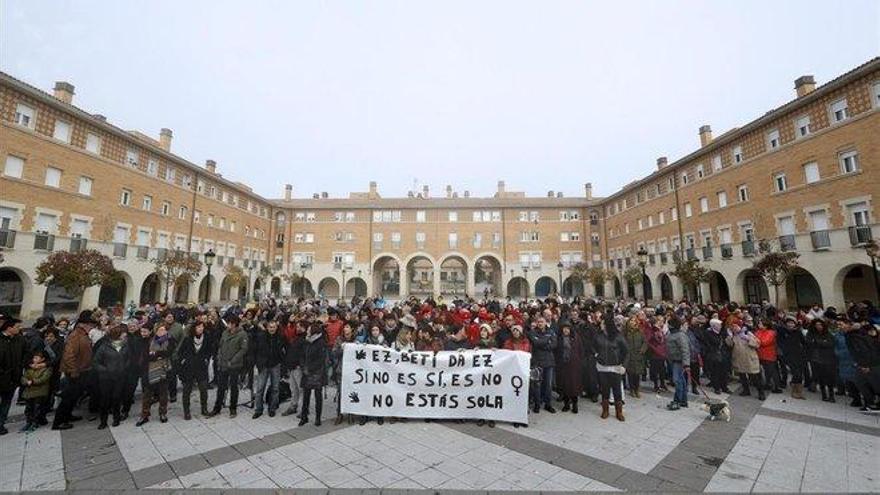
(420,276)
(386,276)
(754,287)
(355,286)
(181,289)
(801,289)
(302,287)
(203,288)
(328,287)
(545,286)
(647,288)
(518,287)
(113,292)
(572,287)
(666,292)
(857,282)
(59,301)
(275,286)
(226,286)
(718,289)
(151,290)
(453,276)
(14,289)
(487,276)
(618,289)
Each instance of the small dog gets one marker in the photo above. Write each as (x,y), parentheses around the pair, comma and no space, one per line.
(718,409)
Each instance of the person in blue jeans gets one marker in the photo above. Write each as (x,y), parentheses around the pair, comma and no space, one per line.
(678,353)
(544,340)
(269,349)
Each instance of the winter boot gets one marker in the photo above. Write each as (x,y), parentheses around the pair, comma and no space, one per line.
(618,411)
(604,414)
(797,391)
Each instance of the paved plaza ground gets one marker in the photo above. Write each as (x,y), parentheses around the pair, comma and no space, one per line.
(779,445)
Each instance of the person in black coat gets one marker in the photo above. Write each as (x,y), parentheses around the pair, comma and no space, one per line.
(12,350)
(790,340)
(137,340)
(193,355)
(611,352)
(110,363)
(863,342)
(269,351)
(315,359)
(544,342)
(820,343)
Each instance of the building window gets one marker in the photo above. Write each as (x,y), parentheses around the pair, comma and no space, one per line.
(802,126)
(125,198)
(684,178)
(839,111)
(716,163)
(24,116)
(420,216)
(182,212)
(152,167)
(529,236)
(673,212)
(93,143)
(640,224)
(688,212)
(704,204)
(811,172)
(773,139)
(737,154)
(779,182)
(700,171)
(14,166)
(148,203)
(170,173)
(849,162)
(197,218)
(661,217)
(53,177)
(786,225)
(742,192)
(453,240)
(131,158)
(62,131)
(453,216)
(722,199)
(166,208)
(85,186)
(563,236)
(875,94)
(858,214)
(478,240)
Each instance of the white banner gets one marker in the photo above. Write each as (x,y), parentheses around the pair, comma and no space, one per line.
(478,384)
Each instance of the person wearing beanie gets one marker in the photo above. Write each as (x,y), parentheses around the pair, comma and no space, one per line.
(678,353)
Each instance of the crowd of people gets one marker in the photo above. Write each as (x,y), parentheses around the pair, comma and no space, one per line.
(290,350)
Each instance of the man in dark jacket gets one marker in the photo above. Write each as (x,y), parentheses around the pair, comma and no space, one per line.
(791,341)
(315,362)
(294,335)
(863,342)
(269,350)
(544,342)
(611,353)
(12,348)
(75,363)
(231,359)
(678,353)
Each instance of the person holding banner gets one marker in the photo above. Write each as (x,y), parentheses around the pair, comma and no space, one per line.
(611,353)
(346,337)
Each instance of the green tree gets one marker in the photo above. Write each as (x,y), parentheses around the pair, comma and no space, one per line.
(691,273)
(176,266)
(774,264)
(75,272)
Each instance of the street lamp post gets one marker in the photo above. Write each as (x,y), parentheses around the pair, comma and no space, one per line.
(559,267)
(643,256)
(209,261)
(342,290)
(360,276)
(528,285)
(872,249)
(302,280)
(250,265)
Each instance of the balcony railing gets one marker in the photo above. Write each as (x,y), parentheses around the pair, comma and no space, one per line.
(120,249)
(748,248)
(161,253)
(195,256)
(276,266)
(597,264)
(143,252)
(691,253)
(676,255)
(595,242)
(337,266)
(78,244)
(821,239)
(279,244)
(664,258)
(44,242)
(619,264)
(726,251)
(628,262)
(787,242)
(594,221)
(652,259)
(7,239)
(707,253)
(220,260)
(859,234)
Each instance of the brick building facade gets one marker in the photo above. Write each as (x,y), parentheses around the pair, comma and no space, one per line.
(803,174)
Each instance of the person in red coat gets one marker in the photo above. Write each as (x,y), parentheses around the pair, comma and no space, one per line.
(517,341)
(569,356)
(767,356)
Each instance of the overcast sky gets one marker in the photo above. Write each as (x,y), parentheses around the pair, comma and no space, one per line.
(331,95)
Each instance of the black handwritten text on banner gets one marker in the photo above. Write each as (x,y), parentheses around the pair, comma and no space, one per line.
(479,384)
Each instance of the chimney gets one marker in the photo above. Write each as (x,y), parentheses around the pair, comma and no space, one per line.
(705,135)
(100,117)
(467,194)
(803,85)
(211,166)
(588,190)
(550,194)
(165,136)
(500,188)
(288,192)
(374,189)
(316,196)
(325,195)
(559,194)
(448,191)
(64,91)
(425,191)
(662,162)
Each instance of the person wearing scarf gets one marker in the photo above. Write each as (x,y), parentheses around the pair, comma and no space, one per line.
(716,356)
(569,356)
(611,353)
(110,362)
(156,375)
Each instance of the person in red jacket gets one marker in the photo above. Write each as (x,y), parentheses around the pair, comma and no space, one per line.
(517,341)
(332,328)
(767,356)
(657,354)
